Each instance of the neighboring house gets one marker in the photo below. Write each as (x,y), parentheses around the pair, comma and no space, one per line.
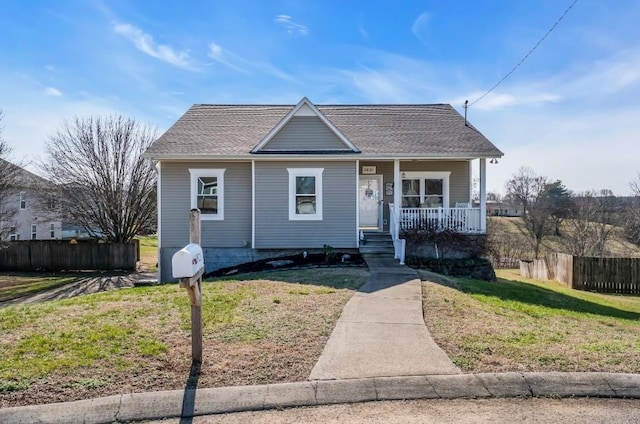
(30,209)
(270,179)
(501,208)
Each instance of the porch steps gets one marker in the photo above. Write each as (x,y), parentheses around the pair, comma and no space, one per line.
(376,242)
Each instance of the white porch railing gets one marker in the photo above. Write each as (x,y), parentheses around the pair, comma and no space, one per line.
(394,228)
(462,220)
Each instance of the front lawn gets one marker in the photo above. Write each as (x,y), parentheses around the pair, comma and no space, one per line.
(262,328)
(520,324)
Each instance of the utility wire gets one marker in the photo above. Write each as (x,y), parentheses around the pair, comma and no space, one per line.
(525,57)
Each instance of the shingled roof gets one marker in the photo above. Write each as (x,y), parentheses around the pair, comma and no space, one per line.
(425,130)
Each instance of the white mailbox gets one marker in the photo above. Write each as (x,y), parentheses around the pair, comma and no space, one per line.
(187,261)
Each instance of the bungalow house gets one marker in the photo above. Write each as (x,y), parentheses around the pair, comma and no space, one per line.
(270,179)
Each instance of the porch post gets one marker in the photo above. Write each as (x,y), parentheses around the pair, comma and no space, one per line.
(357,203)
(397,187)
(483,195)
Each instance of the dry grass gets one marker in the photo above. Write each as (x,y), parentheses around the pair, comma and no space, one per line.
(526,325)
(616,245)
(256,331)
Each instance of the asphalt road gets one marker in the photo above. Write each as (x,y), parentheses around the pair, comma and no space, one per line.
(530,410)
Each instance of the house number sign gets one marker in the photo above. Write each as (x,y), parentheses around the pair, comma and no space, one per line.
(368,169)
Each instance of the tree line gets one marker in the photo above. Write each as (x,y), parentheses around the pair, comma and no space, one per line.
(581,222)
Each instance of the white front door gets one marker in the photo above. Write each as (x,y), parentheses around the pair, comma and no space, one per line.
(370,192)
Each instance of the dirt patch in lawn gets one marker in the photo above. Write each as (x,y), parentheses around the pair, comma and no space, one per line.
(257,329)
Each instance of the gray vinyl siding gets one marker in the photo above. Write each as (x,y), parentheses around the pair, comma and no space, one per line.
(305,133)
(233,231)
(459,180)
(338,226)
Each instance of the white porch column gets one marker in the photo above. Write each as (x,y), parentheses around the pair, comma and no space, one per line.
(397,187)
(357,176)
(253,204)
(483,195)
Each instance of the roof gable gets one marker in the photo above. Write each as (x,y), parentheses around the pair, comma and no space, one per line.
(305,129)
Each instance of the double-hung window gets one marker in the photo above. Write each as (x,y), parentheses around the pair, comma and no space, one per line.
(305,194)
(23,200)
(207,192)
(34,232)
(425,189)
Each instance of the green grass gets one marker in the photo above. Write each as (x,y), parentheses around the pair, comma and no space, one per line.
(13,286)
(523,324)
(148,252)
(540,299)
(81,332)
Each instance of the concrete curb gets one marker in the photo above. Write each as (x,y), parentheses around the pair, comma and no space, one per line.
(190,402)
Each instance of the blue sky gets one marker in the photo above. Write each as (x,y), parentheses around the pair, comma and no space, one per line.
(571,111)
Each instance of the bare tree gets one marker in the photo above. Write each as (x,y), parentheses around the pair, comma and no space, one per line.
(505,248)
(527,190)
(631,213)
(9,174)
(541,202)
(589,224)
(106,185)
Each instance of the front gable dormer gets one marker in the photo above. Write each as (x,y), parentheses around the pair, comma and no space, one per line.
(305,130)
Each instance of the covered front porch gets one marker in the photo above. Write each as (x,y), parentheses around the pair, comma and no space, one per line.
(420,194)
(413,194)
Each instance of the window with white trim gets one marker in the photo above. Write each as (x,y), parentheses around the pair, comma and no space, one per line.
(52,231)
(425,189)
(305,194)
(23,200)
(34,232)
(207,192)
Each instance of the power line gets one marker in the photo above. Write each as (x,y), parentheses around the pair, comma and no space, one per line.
(525,57)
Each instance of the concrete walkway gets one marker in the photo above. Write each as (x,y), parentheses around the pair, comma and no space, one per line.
(381,332)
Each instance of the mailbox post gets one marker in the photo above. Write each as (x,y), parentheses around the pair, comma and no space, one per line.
(188,266)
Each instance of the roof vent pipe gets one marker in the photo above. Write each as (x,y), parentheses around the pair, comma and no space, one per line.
(466,105)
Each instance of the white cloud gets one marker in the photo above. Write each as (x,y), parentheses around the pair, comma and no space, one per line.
(292,27)
(364,32)
(233,61)
(51,91)
(144,42)
(419,27)
(225,58)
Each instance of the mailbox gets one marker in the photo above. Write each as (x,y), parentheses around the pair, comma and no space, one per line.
(187,261)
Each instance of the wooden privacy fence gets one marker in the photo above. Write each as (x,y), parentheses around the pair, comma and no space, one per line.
(603,275)
(54,255)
